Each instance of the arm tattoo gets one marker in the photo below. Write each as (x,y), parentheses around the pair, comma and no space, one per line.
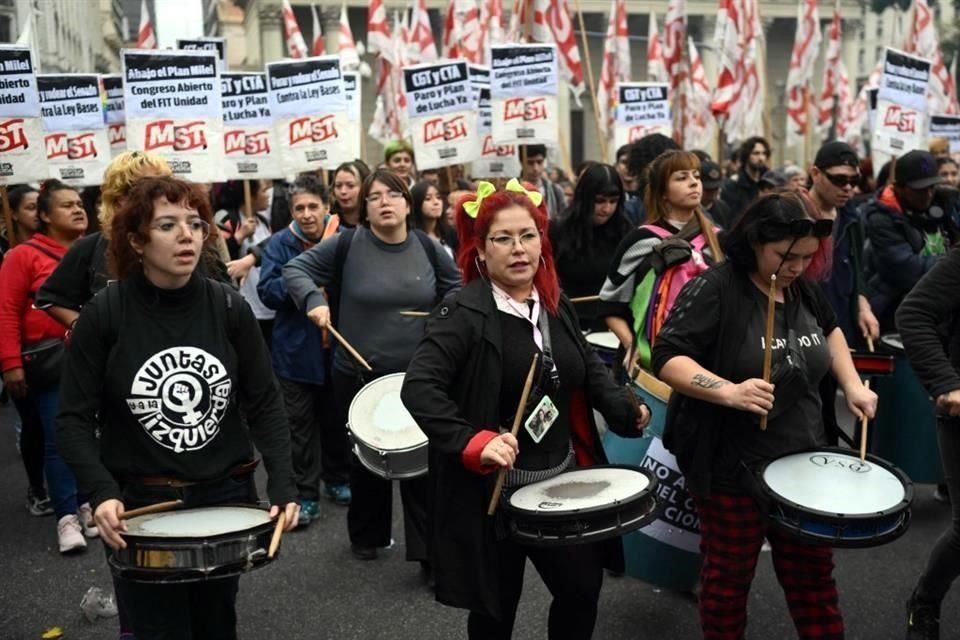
(706,382)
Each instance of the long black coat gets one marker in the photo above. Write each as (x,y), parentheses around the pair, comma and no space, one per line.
(452,389)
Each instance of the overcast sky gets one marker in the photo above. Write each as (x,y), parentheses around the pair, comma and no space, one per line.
(178,19)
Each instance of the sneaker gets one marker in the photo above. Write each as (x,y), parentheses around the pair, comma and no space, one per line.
(87,522)
(339,493)
(923,619)
(942,494)
(309,511)
(70,534)
(38,504)
(363,553)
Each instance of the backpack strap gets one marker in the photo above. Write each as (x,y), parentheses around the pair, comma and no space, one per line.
(339,260)
(42,249)
(232,311)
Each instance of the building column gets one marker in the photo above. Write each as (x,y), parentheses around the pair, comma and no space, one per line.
(272,44)
(330,17)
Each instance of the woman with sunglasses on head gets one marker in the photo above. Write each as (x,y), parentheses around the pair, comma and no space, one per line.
(464,383)
(586,236)
(368,276)
(711,351)
(160,364)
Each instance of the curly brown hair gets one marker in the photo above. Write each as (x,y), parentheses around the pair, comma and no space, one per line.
(133,218)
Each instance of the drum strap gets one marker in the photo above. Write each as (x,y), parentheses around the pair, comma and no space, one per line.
(517,477)
(549,366)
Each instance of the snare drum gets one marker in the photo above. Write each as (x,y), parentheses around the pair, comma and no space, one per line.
(386,439)
(193,545)
(827,496)
(605,343)
(582,506)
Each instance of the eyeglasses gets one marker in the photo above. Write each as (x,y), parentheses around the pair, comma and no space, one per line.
(377,198)
(505,241)
(840,180)
(168,226)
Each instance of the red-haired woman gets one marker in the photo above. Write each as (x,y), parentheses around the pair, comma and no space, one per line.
(160,364)
(465,381)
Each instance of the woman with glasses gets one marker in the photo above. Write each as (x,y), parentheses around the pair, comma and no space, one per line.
(711,352)
(368,276)
(160,365)
(586,236)
(463,386)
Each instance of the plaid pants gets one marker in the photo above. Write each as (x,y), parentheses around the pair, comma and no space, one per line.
(733,529)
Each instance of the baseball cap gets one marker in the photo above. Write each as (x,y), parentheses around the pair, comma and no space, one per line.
(917,169)
(710,175)
(835,154)
(773,179)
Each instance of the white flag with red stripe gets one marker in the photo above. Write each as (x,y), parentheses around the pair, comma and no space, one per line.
(616,65)
(674,38)
(461,31)
(379,38)
(422,47)
(700,126)
(836,96)
(737,98)
(552,24)
(146,38)
(346,46)
(491,27)
(942,89)
(296,45)
(806,45)
(317,47)
(656,71)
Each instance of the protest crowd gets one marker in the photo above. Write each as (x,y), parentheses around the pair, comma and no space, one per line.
(204,273)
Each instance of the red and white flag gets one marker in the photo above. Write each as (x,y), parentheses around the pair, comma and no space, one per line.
(491,27)
(700,126)
(146,38)
(461,31)
(379,38)
(836,96)
(942,89)
(738,98)
(317,47)
(806,45)
(346,46)
(552,23)
(616,65)
(656,71)
(296,45)
(674,38)
(422,47)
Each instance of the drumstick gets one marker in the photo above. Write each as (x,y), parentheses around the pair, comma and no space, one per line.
(864,421)
(415,314)
(277,532)
(502,475)
(349,347)
(585,299)
(160,507)
(768,338)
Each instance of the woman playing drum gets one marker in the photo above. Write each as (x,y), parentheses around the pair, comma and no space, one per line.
(464,383)
(711,351)
(160,364)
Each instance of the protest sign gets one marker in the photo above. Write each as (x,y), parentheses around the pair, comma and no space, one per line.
(900,123)
(248,145)
(22,155)
(523,91)
(217,45)
(643,108)
(173,109)
(353,126)
(309,107)
(494,161)
(116,118)
(947,127)
(75,132)
(443,119)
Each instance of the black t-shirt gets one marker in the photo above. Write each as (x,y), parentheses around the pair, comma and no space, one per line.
(518,350)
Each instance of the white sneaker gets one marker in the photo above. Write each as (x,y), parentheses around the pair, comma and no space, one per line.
(69,534)
(87,522)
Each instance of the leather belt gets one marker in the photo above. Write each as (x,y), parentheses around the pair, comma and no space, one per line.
(162,481)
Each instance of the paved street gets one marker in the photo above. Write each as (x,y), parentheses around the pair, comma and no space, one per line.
(316,590)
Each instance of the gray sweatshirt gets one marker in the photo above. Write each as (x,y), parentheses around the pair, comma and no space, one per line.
(379,281)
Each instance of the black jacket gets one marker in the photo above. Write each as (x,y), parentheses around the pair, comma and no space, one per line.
(452,389)
(738,194)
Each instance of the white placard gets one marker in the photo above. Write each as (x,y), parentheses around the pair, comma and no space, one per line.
(532,120)
(898,128)
(904,79)
(519,70)
(248,145)
(217,45)
(443,121)
(948,127)
(353,131)
(643,108)
(479,79)
(22,156)
(678,524)
(496,161)
(309,106)
(75,134)
(116,116)
(173,108)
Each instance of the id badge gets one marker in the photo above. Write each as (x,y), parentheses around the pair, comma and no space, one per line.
(541,419)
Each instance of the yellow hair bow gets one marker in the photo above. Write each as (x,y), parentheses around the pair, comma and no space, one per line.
(486,189)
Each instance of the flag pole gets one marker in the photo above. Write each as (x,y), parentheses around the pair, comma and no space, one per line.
(593,86)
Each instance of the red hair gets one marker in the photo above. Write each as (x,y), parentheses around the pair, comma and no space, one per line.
(472,232)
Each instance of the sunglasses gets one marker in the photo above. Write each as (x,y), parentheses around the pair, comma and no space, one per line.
(839,180)
(805,227)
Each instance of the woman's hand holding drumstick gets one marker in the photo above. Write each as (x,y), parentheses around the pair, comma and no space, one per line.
(287,520)
(110,516)
(320,316)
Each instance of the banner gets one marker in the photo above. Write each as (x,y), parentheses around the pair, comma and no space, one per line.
(643,108)
(443,120)
(494,161)
(948,127)
(248,145)
(116,117)
(22,156)
(217,45)
(309,107)
(901,124)
(523,91)
(353,127)
(174,109)
(75,134)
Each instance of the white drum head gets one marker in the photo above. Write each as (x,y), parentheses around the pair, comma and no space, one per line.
(378,418)
(604,340)
(834,482)
(893,341)
(580,489)
(203,522)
